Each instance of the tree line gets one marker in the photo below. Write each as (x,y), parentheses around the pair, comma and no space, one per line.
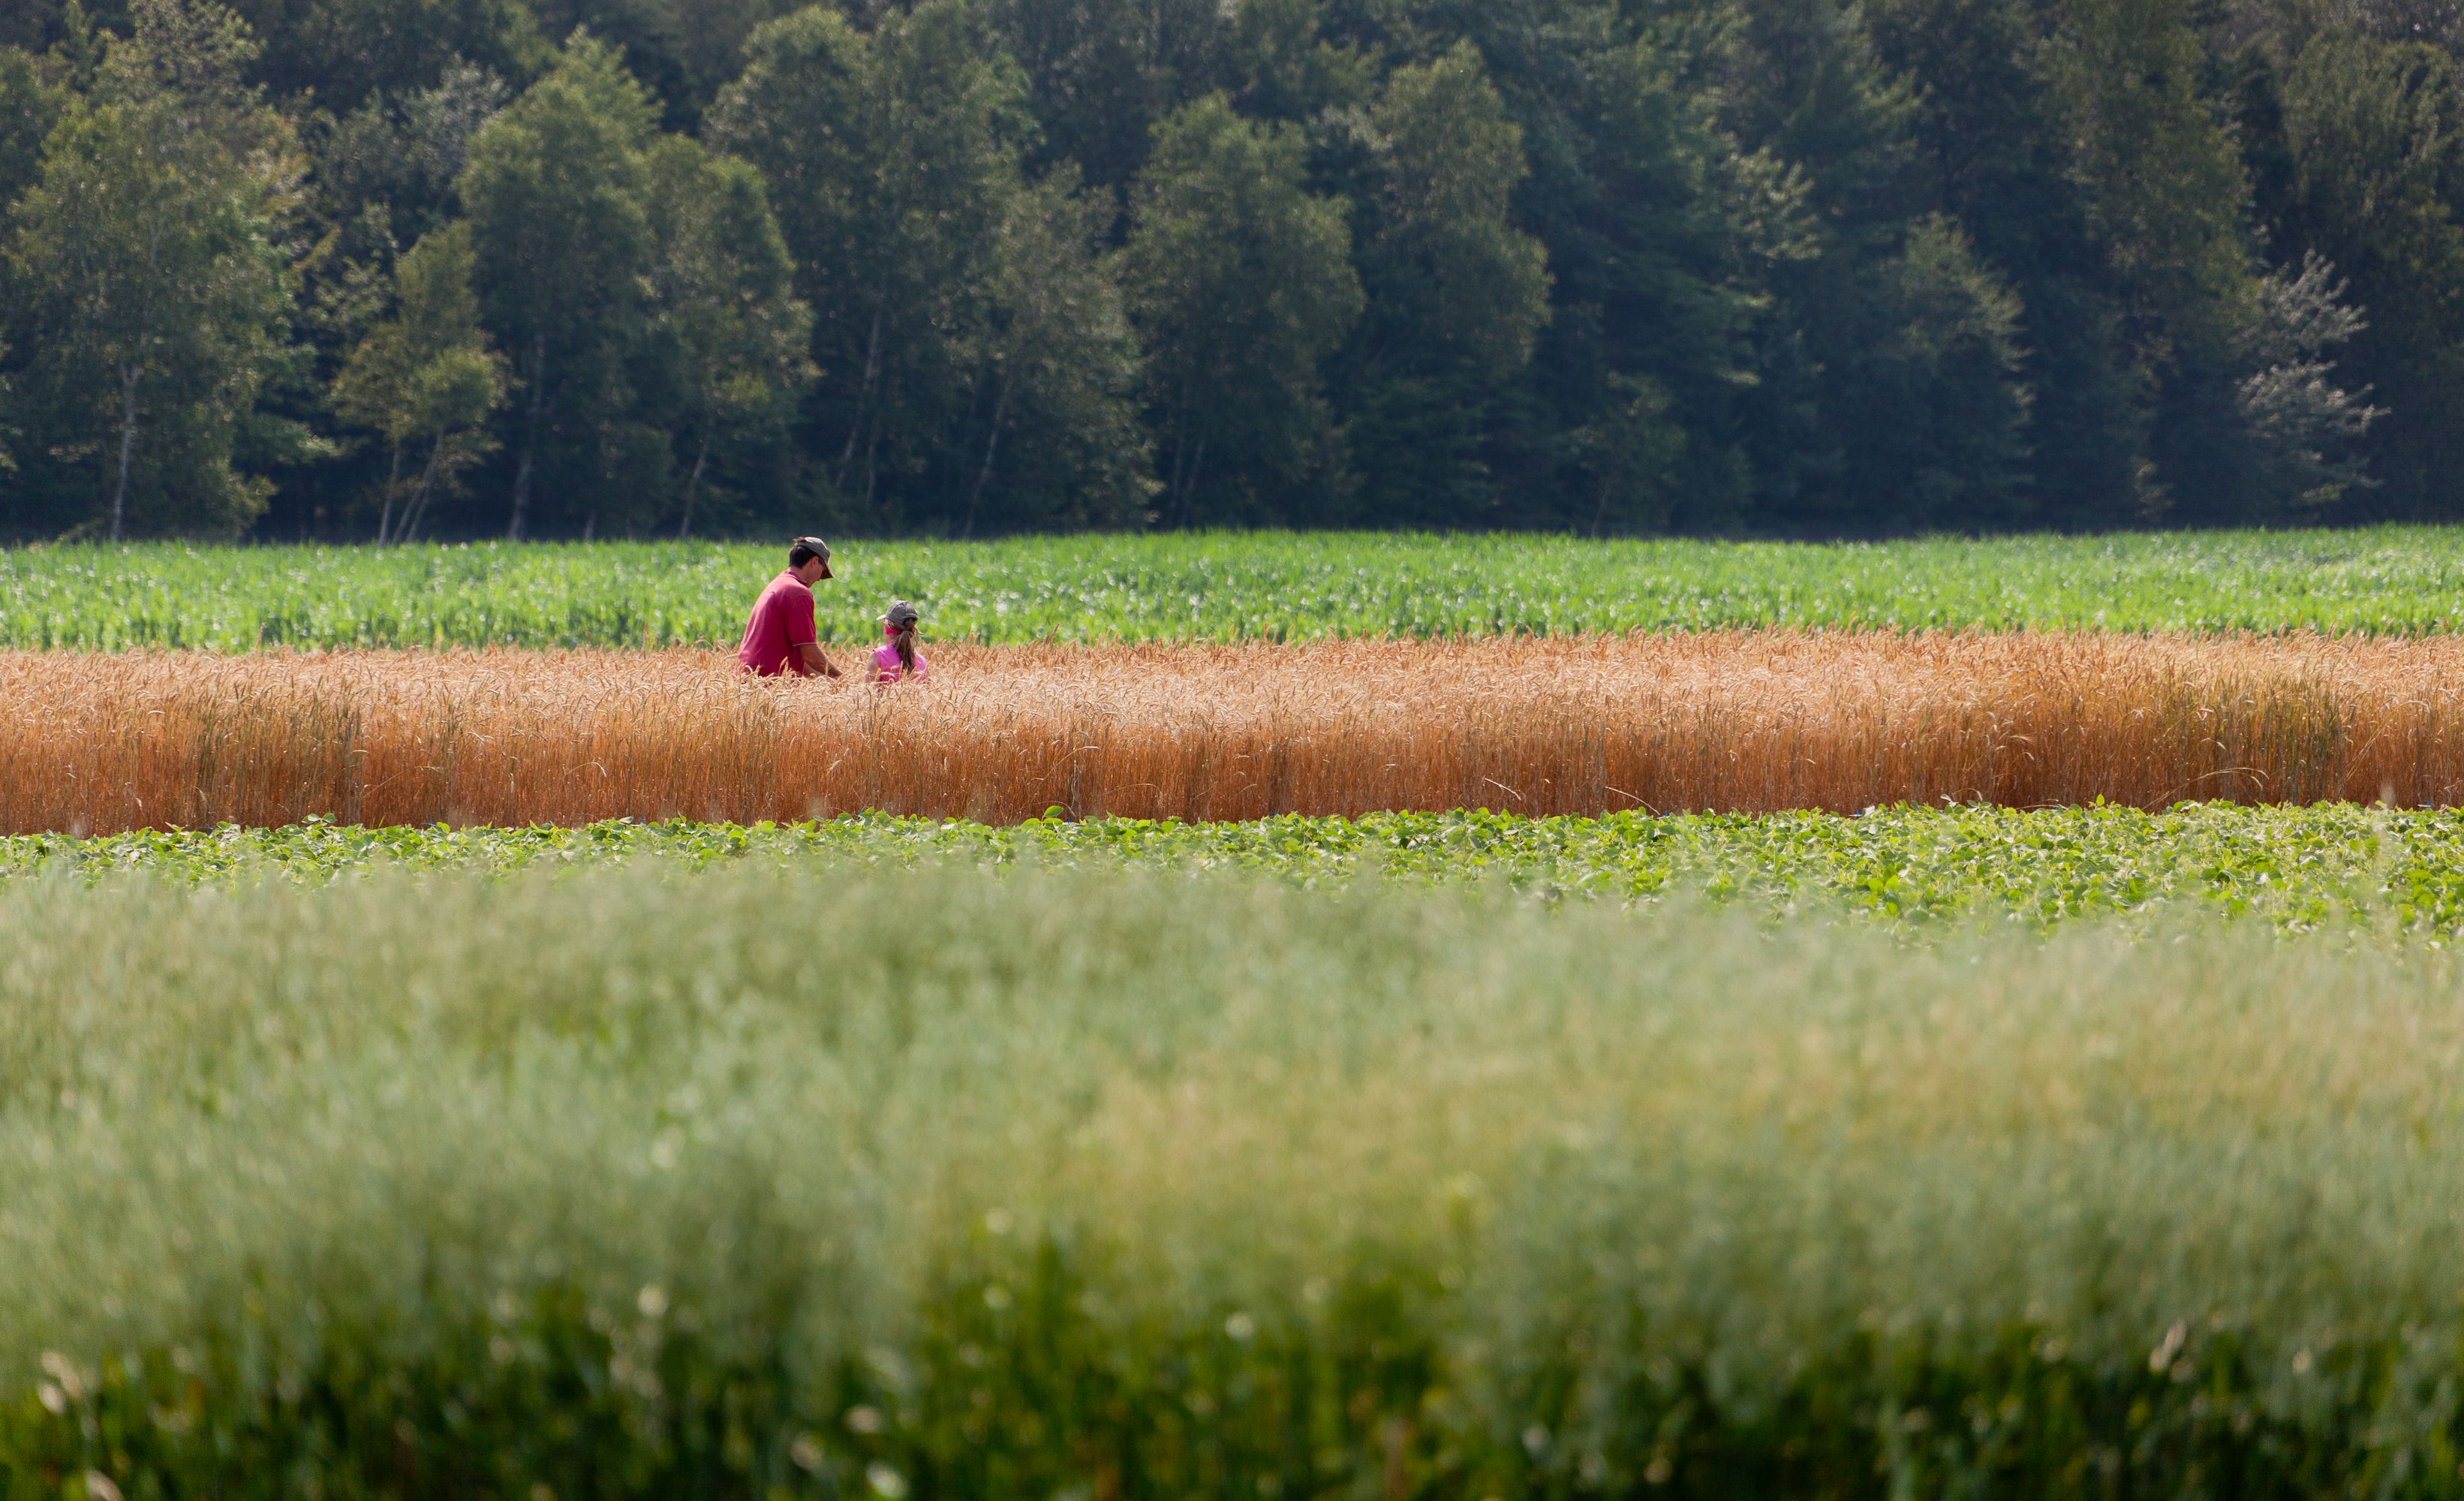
(384,270)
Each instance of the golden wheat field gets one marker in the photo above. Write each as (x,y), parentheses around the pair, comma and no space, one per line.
(1745,722)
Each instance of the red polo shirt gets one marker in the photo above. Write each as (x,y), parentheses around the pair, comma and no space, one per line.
(782,623)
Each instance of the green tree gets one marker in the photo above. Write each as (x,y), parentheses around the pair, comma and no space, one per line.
(2089,145)
(1104,72)
(1063,444)
(1456,293)
(727,323)
(2165,189)
(684,51)
(1893,404)
(2169,200)
(1992,135)
(341,52)
(1932,404)
(2167,205)
(1241,285)
(1449,162)
(403,152)
(2372,179)
(1277,61)
(2436,23)
(2304,424)
(424,376)
(30,106)
(555,188)
(894,158)
(379,177)
(1664,234)
(148,254)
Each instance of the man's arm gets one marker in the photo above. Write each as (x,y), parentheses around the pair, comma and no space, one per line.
(809,661)
(812,663)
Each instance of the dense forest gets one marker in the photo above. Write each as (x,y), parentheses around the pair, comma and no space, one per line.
(380,270)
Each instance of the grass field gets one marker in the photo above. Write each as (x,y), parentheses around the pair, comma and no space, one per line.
(943,1182)
(2364,871)
(1747,721)
(1230,588)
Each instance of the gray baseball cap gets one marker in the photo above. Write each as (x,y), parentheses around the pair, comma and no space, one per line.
(900,613)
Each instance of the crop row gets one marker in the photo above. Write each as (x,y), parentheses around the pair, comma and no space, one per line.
(2340,868)
(1764,721)
(1230,588)
(953,1183)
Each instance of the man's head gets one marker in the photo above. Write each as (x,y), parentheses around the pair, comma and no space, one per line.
(810,560)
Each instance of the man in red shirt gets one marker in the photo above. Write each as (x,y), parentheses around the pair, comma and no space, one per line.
(779,638)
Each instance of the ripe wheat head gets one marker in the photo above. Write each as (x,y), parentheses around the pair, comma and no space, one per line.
(1740,721)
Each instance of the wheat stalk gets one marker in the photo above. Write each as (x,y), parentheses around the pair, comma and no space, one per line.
(1736,721)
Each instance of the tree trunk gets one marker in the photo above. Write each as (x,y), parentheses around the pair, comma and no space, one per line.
(129,378)
(1177,495)
(1189,489)
(992,446)
(530,438)
(417,511)
(692,487)
(863,396)
(134,370)
(871,466)
(393,484)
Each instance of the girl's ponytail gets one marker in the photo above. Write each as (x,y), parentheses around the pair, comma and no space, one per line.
(901,618)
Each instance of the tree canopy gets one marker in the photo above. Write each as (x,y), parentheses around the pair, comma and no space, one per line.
(375,269)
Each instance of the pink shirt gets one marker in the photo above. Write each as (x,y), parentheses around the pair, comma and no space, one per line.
(888,669)
(782,621)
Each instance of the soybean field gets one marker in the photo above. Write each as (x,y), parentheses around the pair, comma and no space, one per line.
(2362,873)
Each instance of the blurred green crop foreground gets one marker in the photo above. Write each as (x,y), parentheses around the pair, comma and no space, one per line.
(1230,586)
(949,1182)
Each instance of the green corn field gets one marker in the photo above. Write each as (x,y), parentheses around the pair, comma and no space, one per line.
(1228,586)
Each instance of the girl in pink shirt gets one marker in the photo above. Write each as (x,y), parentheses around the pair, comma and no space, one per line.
(896,658)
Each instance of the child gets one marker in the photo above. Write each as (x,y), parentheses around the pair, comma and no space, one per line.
(898,657)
